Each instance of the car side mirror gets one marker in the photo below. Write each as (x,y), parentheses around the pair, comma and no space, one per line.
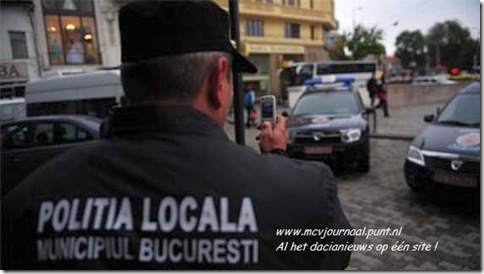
(429,118)
(369,111)
(285,114)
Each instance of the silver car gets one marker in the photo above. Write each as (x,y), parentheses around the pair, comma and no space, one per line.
(27,144)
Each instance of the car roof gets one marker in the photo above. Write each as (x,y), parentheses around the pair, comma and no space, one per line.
(79,118)
(472,88)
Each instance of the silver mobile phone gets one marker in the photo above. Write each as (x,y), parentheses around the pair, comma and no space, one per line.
(268,109)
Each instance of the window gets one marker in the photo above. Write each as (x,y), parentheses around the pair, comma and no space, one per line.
(291,3)
(291,30)
(254,27)
(339,102)
(313,33)
(71,32)
(68,133)
(19,138)
(59,133)
(44,134)
(19,45)
(67,6)
(311,4)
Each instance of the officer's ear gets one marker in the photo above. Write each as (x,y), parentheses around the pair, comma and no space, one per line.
(218,83)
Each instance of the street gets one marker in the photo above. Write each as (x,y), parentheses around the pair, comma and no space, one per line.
(382,199)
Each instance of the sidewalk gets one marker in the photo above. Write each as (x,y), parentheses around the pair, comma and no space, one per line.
(404,122)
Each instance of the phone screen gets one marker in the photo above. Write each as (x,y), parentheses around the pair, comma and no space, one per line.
(267,108)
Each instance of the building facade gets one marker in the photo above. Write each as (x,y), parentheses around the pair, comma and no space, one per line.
(58,37)
(18,58)
(44,38)
(275,33)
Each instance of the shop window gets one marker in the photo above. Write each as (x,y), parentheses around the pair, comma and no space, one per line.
(19,45)
(61,6)
(254,27)
(291,30)
(71,32)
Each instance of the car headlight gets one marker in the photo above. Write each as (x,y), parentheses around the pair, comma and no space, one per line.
(350,135)
(414,155)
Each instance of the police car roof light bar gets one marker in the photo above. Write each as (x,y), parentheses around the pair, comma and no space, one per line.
(330,79)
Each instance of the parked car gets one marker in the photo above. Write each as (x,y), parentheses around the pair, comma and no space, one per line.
(29,143)
(432,80)
(447,153)
(330,124)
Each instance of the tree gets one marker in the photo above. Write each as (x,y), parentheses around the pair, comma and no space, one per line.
(337,50)
(410,50)
(365,41)
(358,44)
(451,45)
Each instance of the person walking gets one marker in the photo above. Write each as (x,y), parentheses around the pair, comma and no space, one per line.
(249,103)
(372,87)
(166,188)
(382,96)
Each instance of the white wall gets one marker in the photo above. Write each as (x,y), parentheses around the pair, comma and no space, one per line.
(16,18)
(106,12)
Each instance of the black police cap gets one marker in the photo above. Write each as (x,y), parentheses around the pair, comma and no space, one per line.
(155,28)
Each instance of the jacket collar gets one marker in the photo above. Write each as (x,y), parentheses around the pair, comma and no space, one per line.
(162,118)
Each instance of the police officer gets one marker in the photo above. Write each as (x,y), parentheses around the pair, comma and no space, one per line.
(167,189)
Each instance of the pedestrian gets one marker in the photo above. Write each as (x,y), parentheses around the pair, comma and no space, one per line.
(371,86)
(168,189)
(249,102)
(382,95)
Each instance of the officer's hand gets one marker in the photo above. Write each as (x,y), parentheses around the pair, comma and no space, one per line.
(273,138)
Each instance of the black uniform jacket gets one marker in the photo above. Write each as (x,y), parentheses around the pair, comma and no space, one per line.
(169,190)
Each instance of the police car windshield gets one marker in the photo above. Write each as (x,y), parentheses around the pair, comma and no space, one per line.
(332,102)
(463,110)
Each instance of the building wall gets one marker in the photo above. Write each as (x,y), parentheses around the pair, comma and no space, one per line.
(106,21)
(273,48)
(106,12)
(279,49)
(17,18)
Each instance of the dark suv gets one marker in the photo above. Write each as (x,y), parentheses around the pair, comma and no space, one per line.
(330,124)
(448,152)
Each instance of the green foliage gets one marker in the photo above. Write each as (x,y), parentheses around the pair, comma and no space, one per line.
(448,43)
(410,49)
(452,44)
(360,43)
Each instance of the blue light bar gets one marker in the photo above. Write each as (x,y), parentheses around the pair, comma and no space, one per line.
(329,79)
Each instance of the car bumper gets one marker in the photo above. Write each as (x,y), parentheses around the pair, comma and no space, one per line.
(422,177)
(340,153)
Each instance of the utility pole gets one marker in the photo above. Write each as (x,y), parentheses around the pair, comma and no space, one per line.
(238,96)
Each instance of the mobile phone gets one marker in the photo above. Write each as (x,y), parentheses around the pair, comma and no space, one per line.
(268,108)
